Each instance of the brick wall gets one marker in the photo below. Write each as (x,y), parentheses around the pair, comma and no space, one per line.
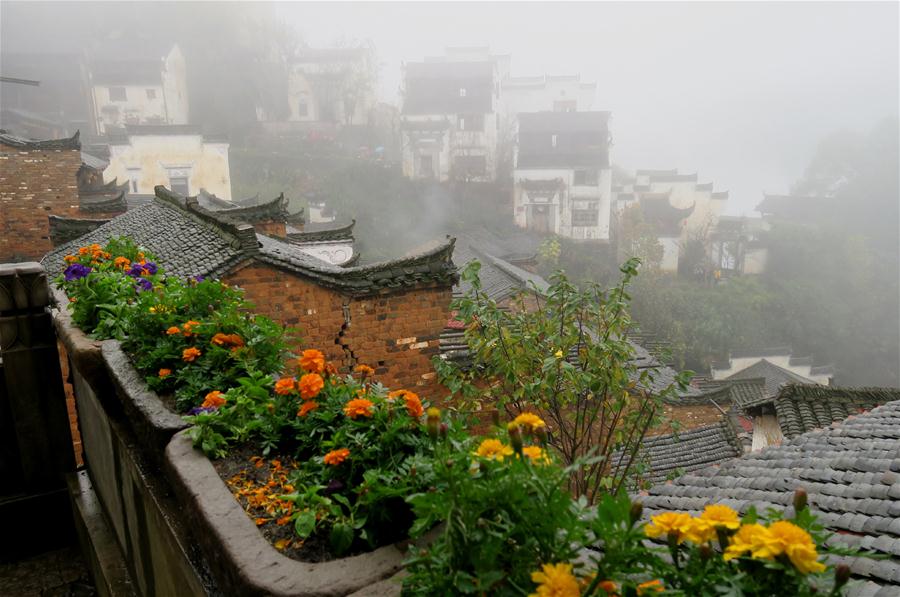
(689,416)
(33,185)
(271,228)
(397,334)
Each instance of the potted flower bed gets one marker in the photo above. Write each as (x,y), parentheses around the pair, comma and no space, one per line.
(299,480)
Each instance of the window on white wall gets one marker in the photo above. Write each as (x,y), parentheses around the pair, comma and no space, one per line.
(462,92)
(587,178)
(117,94)
(553,140)
(179,184)
(151,94)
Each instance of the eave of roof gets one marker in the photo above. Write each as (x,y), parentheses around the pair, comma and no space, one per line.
(10,140)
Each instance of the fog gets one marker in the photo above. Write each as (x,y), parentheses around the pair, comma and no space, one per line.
(739,92)
(755,97)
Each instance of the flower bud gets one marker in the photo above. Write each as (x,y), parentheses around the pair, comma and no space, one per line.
(515,438)
(800,500)
(443,430)
(634,514)
(841,575)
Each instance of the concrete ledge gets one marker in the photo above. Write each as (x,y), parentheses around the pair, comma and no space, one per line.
(150,419)
(98,542)
(242,560)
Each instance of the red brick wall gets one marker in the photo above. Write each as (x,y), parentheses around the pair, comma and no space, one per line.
(689,417)
(33,185)
(397,334)
(272,228)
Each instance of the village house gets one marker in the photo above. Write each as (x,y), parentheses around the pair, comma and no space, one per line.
(137,84)
(450,119)
(781,359)
(177,156)
(387,315)
(736,245)
(555,93)
(679,206)
(562,177)
(332,85)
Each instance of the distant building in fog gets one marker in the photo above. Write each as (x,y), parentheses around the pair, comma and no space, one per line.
(137,82)
(450,118)
(177,157)
(677,205)
(562,177)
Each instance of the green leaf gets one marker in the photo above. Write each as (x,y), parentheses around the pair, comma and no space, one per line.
(305,523)
(341,538)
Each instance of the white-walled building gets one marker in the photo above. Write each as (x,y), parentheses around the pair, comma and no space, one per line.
(177,157)
(556,93)
(333,85)
(562,177)
(144,88)
(451,115)
(736,245)
(677,205)
(778,364)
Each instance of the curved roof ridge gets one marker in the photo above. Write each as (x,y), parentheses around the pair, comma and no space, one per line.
(73,142)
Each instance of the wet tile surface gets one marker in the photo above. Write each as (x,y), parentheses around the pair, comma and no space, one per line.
(60,573)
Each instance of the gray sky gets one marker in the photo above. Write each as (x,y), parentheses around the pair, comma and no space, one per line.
(739,92)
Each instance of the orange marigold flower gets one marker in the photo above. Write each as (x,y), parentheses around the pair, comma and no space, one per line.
(164,373)
(70,258)
(219,339)
(307,407)
(365,370)
(330,369)
(189,326)
(122,262)
(651,586)
(312,361)
(310,385)
(189,354)
(336,457)
(235,340)
(83,251)
(609,587)
(413,405)
(173,330)
(284,386)
(358,407)
(213,400)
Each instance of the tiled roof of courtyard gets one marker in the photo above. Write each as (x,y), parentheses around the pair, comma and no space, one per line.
(851,472)
(673,454)
(103,197)
(11,140)
(273,210)
(775,376)
(189,241)
(64,230)
(801,408)
(313,233)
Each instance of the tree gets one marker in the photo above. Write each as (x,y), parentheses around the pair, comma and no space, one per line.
(638,238)
(569,360)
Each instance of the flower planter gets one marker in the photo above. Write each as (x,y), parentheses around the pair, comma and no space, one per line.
(243,561)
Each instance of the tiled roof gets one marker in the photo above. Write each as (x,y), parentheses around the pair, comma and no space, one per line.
(274,210)
(316,234)
(802,408)
(189,241)
(10,140)
(851,472)
(775,376)
(674,454)
(63,230)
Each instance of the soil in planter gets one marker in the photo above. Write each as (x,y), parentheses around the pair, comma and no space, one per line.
(255,482)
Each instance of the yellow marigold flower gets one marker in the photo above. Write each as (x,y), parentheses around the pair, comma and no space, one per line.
(365,370)
(651,586)
(721,516)
(434,413)
(310,385)
(558,354)
(213,400)
(753,538)
(284,386)
(697,530)
(173,330)
(307,407)
(535,454)
(668,522)
(529,421)
(190,354)
(312,361)
(336,457)
(555,580)
(797,544)
(358,407)
(493,449)
(164,373)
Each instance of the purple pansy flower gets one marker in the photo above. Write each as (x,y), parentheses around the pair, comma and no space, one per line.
(76,271)
(136,270)
(201,410)
(150,268)
(143,284)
